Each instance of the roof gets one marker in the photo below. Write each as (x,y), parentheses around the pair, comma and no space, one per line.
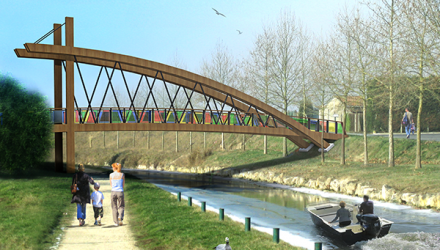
(353,101)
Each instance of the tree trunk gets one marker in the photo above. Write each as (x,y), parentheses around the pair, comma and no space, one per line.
(419,115)
(284,147)
(322,139)
(391,106)
(148,140)
(265,144)
(344,118)
(190,141)
(364,122)
(390,131)
(177,141)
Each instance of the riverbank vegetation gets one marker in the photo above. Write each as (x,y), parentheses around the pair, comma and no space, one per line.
(159,221)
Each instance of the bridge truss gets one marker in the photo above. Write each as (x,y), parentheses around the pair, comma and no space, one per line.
(209,106)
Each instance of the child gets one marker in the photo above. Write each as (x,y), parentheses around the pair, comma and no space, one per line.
(97,198)
(413,128)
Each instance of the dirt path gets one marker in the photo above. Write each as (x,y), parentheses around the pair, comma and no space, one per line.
(107,236)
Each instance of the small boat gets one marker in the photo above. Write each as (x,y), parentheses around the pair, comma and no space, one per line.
(370,226)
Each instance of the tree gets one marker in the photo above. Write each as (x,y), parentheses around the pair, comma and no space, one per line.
(342,68)
(321,76)
(26,133)
(364,63)
(421,43)
(306,110)
(289,41)
(221,68)
(258,69)
(387,31)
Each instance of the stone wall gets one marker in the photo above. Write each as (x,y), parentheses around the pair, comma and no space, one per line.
(344,186)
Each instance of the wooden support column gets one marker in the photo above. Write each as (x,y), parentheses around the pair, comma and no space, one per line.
(70,90)
(58,99)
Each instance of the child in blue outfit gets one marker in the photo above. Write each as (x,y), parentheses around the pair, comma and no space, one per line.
(97,199)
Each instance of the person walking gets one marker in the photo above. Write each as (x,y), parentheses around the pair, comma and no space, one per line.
(407,120)
(117,182)
(97,200)
(82,195)
(343,214)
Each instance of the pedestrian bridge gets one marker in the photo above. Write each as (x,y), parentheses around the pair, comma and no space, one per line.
(225,109)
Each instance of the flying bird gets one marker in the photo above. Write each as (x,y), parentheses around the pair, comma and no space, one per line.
(224,246)
(218,13)
(239,32)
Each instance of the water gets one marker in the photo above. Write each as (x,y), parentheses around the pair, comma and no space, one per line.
(276,206)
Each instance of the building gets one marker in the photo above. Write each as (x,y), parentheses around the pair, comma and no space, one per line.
(334,110)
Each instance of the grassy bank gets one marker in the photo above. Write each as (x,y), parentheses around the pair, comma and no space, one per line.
(33,207)
(159,221)
(402,177)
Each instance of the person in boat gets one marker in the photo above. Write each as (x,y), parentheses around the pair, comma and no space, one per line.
(366,207)
(343,214)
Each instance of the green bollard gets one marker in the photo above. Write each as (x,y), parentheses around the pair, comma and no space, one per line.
(190,201)
(179,196)
(203,206)
(247,224)
(318,245)
(276,235)
(221,214)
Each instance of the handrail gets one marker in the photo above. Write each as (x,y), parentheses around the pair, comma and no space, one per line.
(249,118)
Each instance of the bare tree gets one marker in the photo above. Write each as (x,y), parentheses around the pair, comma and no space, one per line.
(365,63)
(258,69)
(221,68)
(342,77)
(355,30)
(421,41)
(388,32)
(286,66)
(320,77)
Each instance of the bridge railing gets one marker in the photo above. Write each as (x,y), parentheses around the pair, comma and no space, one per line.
(192,116)
(316,124)
(164,115)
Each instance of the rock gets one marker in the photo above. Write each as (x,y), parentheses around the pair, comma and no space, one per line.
(301,182)
(294,181)
(311,184)
(387,192)
(142,167)
(348,186)
(335,185)
(287,181)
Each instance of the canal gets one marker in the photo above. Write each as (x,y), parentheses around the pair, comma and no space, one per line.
(277,206)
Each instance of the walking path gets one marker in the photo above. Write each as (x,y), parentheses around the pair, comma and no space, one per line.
(107,236)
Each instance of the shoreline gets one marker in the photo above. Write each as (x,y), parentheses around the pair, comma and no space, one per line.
(387,194)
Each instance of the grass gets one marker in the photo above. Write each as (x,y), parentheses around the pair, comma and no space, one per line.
(159,221)
(403,177)
(33,207)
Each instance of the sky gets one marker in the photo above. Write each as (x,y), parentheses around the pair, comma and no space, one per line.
(160,31)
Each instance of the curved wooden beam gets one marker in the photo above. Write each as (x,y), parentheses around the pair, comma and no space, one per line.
(171,74)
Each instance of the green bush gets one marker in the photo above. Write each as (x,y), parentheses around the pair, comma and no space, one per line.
(25,135)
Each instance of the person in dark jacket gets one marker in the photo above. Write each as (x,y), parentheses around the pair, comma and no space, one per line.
(82,195)
(366,207)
